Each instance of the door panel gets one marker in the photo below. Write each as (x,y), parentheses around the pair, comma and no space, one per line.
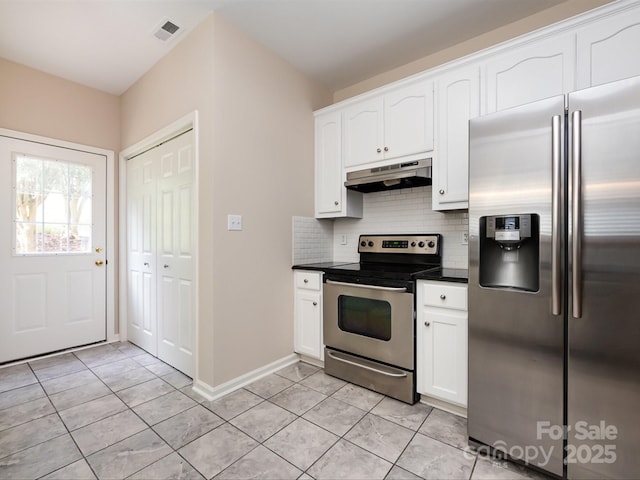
(53,281)
(141,244)
(604,358)
(175,263)
(516,345)
(161,240)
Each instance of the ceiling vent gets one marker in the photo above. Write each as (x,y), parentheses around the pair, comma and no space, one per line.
(166,30)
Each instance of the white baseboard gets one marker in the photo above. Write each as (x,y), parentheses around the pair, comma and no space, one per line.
(443,405)
(213,393)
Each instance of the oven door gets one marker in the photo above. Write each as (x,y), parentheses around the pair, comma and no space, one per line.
(370,321)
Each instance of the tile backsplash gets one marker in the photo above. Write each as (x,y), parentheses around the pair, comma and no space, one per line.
(312,240)
(396,211)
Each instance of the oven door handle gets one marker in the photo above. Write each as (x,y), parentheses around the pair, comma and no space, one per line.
(356,364)
(374,287)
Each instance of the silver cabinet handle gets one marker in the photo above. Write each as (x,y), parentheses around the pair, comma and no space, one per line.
(441,192)
(386,149)
(336,203)
(378,150)
(165,266)
(556,215)
(443,297)
(426,324)
(576,228)
(366,367)
(315,304)
(306,280)
(146,264)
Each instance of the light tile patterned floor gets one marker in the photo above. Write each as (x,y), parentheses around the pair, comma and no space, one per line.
(114,411)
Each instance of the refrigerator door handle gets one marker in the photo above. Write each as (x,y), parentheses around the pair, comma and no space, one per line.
(556,215)
(576,229)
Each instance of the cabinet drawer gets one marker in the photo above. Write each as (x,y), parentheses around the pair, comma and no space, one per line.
(308,280)
(444,295)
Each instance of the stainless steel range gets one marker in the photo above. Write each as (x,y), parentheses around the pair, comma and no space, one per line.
(369,312)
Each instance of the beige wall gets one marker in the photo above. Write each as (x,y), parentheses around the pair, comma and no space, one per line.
(256,159)
(546,17)
(41,104)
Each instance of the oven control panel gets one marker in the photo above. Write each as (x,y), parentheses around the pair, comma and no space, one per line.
(428,244)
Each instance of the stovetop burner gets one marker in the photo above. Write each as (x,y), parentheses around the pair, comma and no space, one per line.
(390,258)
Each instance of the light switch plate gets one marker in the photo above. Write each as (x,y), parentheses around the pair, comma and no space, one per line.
(234,222)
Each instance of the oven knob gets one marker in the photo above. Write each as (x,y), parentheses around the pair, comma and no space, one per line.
(431,244)
(363,243)
(371,243)
(413,244)
(421,244)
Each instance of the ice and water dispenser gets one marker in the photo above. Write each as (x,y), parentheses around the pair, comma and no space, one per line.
(510,251)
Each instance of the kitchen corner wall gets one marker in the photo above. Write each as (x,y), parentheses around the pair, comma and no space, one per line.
(403,211)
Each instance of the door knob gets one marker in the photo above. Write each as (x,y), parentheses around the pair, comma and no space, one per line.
(99,262)
(99,249)
(426,324)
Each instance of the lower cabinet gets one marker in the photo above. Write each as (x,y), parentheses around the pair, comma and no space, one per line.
(308,314)
(441,341)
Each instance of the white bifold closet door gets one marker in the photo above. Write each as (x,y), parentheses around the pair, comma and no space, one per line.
(161,230)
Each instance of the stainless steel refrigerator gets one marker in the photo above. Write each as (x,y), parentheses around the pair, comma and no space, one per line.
(554,282)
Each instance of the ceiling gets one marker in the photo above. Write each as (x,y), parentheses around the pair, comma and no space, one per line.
(109,44)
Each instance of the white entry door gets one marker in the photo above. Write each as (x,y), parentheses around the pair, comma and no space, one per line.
(161,243)
(52,248)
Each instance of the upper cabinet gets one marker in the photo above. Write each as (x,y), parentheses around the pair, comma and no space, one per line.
(607,49)
(332,198)
(397,124)
(531,72)
(458,102)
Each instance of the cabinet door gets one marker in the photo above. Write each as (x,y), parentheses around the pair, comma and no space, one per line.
(458,102)
(408,120)
(329,182)
(607,49)
(442,354)
(531,72)
(363,133)
(308,323)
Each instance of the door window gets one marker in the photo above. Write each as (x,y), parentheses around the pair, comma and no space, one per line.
(365,316)
(52,206)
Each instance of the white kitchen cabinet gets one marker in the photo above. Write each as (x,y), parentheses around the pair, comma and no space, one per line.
(531,72)
(394,125)
(308,314)
(332,199)
(607,49)
(441,341)
(458,102)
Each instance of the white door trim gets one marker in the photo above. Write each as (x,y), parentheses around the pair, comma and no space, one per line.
(113,332)
(189,121)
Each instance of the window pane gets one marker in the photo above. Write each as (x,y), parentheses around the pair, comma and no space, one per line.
(28,238)
(55,177)
(28,175)
(79,238)
(53,206)
(55,238)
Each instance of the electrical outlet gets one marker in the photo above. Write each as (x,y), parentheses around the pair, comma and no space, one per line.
(464,238)
(234,222)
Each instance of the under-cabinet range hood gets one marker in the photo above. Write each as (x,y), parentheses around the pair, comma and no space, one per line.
(390,177)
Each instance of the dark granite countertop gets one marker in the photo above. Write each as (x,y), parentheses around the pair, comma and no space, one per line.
(458,275)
